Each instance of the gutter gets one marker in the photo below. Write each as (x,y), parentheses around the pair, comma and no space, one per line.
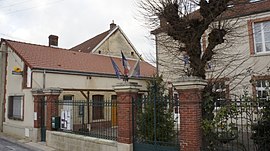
(57,71)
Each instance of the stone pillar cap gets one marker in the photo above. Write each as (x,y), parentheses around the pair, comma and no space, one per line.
(127,87)
(189,83)
(46,91)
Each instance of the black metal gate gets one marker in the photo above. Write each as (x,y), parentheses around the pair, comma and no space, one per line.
(156,124)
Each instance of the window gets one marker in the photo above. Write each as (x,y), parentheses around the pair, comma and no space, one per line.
(114,97)
(220,92)
(261,32)
(98,107)
(262,87)
(15,107)
(68,97)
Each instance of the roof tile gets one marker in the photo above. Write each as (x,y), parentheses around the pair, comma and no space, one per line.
(45,57)
(90,44)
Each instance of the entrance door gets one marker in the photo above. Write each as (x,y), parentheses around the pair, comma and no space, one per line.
(66,113)
(98,107)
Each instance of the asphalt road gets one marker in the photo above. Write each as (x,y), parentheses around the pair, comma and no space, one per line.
(7,145)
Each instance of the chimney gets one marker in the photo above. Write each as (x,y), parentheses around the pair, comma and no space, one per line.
(112,25)
(53,40)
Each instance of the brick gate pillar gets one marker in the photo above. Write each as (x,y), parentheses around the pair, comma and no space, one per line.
(52,95)
(37,108)
(190,92)
(125,93)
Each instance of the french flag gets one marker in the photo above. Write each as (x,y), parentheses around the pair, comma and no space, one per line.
(116,69)
(136,70)
(125,64)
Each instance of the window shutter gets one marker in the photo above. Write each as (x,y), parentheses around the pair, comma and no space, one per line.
(10,106)
(17,100)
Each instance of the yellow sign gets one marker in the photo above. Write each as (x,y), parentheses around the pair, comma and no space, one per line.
(17,69)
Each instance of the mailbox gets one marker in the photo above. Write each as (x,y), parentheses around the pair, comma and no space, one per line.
(55,122)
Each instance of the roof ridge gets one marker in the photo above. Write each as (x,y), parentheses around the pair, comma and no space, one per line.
(90,39)
(66,50)
(28,43)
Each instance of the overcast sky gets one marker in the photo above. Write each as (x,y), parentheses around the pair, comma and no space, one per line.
(74,21)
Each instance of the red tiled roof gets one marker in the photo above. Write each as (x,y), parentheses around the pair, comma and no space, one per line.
(45,57)
(90,44)
(243,8)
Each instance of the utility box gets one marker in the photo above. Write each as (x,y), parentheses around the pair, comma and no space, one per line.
(55,122)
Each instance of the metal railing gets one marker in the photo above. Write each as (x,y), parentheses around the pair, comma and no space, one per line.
(156,124)
(236,125)
(95,118)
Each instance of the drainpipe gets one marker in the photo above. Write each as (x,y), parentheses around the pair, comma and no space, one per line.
(156,54)
(44,79)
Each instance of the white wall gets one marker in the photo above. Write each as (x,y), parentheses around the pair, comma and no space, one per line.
(63,81)
(115,44)
(238,43)
(14,87)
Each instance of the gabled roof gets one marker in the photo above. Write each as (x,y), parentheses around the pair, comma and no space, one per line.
(51,58)
(90,44)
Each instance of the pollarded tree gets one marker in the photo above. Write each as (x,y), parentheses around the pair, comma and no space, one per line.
(186,21)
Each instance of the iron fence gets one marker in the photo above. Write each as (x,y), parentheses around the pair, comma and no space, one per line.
(238,125)
(156,124)
(95,118)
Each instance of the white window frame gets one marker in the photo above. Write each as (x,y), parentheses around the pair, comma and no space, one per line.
(261,88)
(29,78)
(220,87)
(262,37)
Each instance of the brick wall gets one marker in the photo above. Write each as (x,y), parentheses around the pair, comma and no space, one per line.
(190,119)
(124,116)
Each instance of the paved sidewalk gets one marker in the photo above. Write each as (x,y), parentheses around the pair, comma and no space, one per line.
(40,146)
